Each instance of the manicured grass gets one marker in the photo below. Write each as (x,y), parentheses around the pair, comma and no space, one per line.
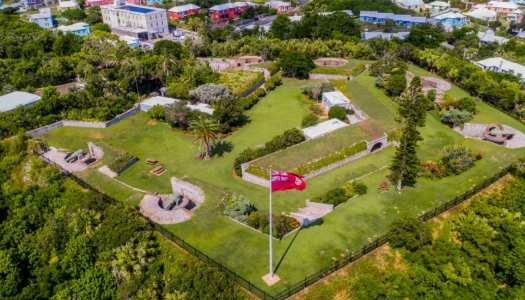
(352,63)
(348,228)
(454,92)
(269,65)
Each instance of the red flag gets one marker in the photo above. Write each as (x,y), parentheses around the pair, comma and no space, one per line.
(286,181)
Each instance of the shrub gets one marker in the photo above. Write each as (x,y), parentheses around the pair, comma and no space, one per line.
(357,69)
(157,113)
(456,117)
(259,92)
(269,85)
(431,95)
(249,102)
(240,208)
(330,71)
(120,162)
(315,91)
(354,188)
(309,120)
(467,104)
(314,108)
(457,159)
(395,135)
(337,112)
(277,79)
(409,232)
(241,81)
(254,220)
(335,197)
(293,222)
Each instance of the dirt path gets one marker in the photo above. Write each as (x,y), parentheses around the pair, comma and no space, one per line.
(366,126)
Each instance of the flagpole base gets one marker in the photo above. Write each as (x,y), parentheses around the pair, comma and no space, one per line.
(271,281)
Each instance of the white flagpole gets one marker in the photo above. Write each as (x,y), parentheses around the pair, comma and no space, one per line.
(271,254)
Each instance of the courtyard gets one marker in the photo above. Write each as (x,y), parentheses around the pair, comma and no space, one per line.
(309,249)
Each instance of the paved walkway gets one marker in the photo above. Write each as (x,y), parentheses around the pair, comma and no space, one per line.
(149,207)
(59,158)
(476,131)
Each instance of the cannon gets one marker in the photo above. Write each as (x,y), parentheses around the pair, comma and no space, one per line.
(75,155)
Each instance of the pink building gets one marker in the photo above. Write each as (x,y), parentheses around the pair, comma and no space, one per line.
(98,2)
(510,9)
(279,5)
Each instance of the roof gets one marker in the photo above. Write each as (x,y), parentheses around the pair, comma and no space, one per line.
(40,16)
(67,4)
(206,108)
(182,8)
(252,26)
(279,3)
(391,16)
(410,2)
(14,5)
(295,18)
(502,4)
(482,13)
(158,100)
(129,39)
(383,35)
(135,8)
(521,34)
(489,37)
(323,128)
(336,98)
(439,3)
(13,100)
(348,11)
(229,5)
(449,15)
(73,27)
(502,64)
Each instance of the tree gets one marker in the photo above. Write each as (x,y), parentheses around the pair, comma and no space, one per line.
(310,120)
(67,44)
(249,13)
(228,112)
(409,232)
(280,27)
(424,36)
(79,256)
(102,27)
(205,131)
(337,112)
(177,113)
(74,14)
(86,222)
(94,15)
(467,104)
(168,48)
(209,93)
(412,114)
(456,117)
(295,62)
(396,83)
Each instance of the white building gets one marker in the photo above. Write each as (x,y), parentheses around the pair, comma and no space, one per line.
(481,12)
(335,99)
(131,41)
(489,37)
(135,21)
(416,5)
(13,100)
(148,104)
(438,6)
(498,64)
(323,128)
(65,5)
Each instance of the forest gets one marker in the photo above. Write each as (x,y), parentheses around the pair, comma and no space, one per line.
(59,241)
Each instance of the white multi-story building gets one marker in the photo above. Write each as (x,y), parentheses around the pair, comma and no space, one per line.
(134,20)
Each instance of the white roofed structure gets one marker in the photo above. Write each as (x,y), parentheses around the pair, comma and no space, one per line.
(183,8)
(498,64)
(323,128)
(157,100)
(335,99)
(13,100)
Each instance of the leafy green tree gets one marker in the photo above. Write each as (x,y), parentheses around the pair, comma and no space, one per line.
(131,259)
(280,27)
(102,27)
(67,44)
(409,232)
(94,15)
(456,117)
(249,13)
(296,63)
(210,93)
(310,120)
(10,276)
(205,130)
(396,84)
(79,256)
(337,112)
(424,36)
(228,112)
(412,114)
(95,283)
(177,113)
(86,222)
(240,208)
(74,14)
(168,48)
(467,104)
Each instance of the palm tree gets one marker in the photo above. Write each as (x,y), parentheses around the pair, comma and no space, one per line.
(86,221)
(205,130)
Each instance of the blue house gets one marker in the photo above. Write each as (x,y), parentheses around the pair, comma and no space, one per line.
(80,29)
(44,18)
(380,18)
(451,18)
(151,2)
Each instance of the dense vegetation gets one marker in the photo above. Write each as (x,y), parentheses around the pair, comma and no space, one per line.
(58,241)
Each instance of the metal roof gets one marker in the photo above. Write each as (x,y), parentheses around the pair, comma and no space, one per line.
(13,100)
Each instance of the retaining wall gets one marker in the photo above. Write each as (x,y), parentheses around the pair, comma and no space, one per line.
(265,72)
(194,193)
(329,207)
(336,164)
(95,150)
(328,76)
(132,161)
(72,123)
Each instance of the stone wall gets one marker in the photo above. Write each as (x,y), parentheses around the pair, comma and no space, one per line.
(255,179)
(336,164)
(329,207)
(123,115)
(194,193)
(328,76)
(95,150)
(69,123)
(265,72)
(130,162)
(45,128)
(383,140)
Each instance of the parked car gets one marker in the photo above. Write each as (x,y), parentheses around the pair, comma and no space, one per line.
(145,46)
(81,86)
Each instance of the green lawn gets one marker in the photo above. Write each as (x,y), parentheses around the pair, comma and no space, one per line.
(454,92)
(305,252)
(352,63)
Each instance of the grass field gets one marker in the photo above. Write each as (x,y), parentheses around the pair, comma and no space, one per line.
(308,250)
(352,63)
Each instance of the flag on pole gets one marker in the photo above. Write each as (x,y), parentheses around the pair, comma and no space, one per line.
(282,181)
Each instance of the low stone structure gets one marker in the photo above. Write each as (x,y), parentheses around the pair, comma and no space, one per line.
(59,158)
(95,150)
(312,212)
(219,64)
(330,61)
(246,60)
(194,193)
(479,131)
(263,71)
(151,209)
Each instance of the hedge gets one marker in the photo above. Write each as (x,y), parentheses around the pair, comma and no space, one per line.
(241,81)
(357,69)
(120,162)
(330,71)
(330,159)
(258,171)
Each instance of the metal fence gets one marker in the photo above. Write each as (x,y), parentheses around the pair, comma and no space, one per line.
(309,280)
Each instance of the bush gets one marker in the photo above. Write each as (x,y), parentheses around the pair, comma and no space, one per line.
(240,208)
(409,232)
(431,95)
(457,159)
(335,197)
(241,81)
(249,102)
(293,222)
(157,113)
(456,117)
(269,85)
(120,162)
(337,112)
(254,220)
(259,92)
(355,188)
(315,91)
(330,71)
(314,108)
(309,120)
(467,104)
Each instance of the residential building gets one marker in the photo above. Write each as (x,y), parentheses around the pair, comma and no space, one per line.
(416,5)
(510,9)
(438,6)
(131,41)
(44,18)
(65,5)
(181,12)
(148,104)
(13,100)
(14,5)
(452,18)
(34,3)
(335,99)
(347,11)
(489,37)
(280,6)
(501,65)
(380,18)
(323,128)
(481,12)
(80,29)
(135,21)
(384,35)
(228,10)
(98,2)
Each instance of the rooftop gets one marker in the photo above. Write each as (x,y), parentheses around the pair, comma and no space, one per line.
(336,98)
(67,4)
(230,5)
(383,35)
(13,100)
(323,128)
(481,13)
(502,64)
(503,4)
(206,108)
(274,2)
(182,8)
(129,40)
(449,15)
(439,3)
(73,27)
(489,36)
(157,100)
(410,2)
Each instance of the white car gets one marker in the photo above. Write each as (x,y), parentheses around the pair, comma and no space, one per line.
(80,86)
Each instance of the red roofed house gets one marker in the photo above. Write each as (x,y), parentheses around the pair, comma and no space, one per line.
(228,10)
(98,2)
(181,12)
